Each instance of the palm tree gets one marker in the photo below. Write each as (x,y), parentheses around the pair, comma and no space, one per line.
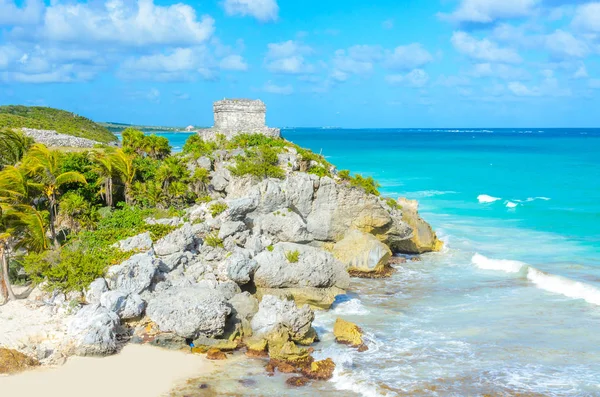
(125,168)
(13,146)
(104,167)
(44,167)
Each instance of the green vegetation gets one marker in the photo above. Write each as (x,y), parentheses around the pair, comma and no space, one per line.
(217,208)
(270,248)
(261,162)
(213,240)
(54,119)
(13,146)
(292,256)
(368,184)
(153,146)
(393,204)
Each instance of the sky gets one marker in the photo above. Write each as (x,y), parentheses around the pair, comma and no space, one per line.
(328,63)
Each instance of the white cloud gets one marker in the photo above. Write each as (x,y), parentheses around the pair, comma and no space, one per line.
(11,14)
(263,10)
(278,89)
(520,89)
(562,45)
(581,73)
(549,87)
(501,71)
(417,78)
(118,22)
(345,63)
(388,24)
(594,83)
(233,62)
(339,76)
(452,81)
(408,57)
(587,17)
(483,50)
(288,57)
(176,65)
(488,11)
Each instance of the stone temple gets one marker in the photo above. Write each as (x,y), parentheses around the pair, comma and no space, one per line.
(239,116)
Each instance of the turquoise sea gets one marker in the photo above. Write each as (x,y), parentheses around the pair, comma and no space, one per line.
(512,304)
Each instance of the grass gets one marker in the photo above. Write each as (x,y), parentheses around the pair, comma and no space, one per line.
(217,208)
(213,240)
(393,204)
(45,118)
(292,256)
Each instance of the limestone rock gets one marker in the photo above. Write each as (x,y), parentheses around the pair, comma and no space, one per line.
(134,275)
(95,290)
(321,370)
(299,189)
(220,179)
(275,314)
(283,225)
(183,239)
(141,242)
(126,306)
(348,333)
(423,238)
(215,354)
(92,331)
(12,361)
(189,312)
(239,268)
(170,262)
(362,252)
(229,228)
(314,268)
(239,208)
(316,298)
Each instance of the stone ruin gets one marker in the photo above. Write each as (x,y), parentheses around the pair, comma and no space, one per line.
(239,116)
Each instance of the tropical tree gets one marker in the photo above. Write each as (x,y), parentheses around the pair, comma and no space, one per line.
(125,168)
(200,180)
(44,167)
(156,146)
(13,146)
(133,141)
(104,167)
(76,209)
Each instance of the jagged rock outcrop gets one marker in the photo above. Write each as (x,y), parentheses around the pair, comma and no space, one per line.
(52,138)
(93,331)
(362,252)
(134,275)
(423,238)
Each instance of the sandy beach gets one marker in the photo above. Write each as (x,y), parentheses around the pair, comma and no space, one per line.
(137,371)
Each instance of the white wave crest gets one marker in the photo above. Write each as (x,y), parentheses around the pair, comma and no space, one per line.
(530,199)
(510,204)
(430,193)
(484,198)
(351,307)
(564,286)
(504,265)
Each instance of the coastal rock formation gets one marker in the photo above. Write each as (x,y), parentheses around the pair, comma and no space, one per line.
(349,334)
(275,315)
(52,138)
(141,242)
(238,116)
(362,252)
(134,275)
(93,331)
(423,238)
(12,361)
(190,311)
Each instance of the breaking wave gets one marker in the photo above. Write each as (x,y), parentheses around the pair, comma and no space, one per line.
(504,265)
(484,198)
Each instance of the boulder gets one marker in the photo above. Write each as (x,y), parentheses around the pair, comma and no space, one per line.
(95,290)
(244,307)
(220,179)
(348,333)
(422,239)
(134,275)
(300,190)
(239,208)
(229,228)
(126,306)
(275,314)
(240,268)
(283,225)
(93,331)
(362,252)
(141,242)
(183,239)
(190,311)
(316,298)
(12,361)
(313,268)
(170,262)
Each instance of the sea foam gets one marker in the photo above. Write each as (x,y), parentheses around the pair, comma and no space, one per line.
(484,198)
(351,307)
(504,265)
(510,204)
(564,286)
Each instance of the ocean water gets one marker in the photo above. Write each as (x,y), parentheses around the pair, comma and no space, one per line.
(512,304)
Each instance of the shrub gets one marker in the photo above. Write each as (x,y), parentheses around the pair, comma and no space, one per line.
(319,171)
(261,162)
(213,240)
(270,248)
(344,175)
(369,185)
(253,140)
(292,256)
(393,204)
(197,147)
(217,208)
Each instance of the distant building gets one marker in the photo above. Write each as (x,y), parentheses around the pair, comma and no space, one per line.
(239,116)
(189,128)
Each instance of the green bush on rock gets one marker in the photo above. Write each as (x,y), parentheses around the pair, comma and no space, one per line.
(261,162)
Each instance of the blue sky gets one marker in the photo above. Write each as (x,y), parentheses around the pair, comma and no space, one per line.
(351,63)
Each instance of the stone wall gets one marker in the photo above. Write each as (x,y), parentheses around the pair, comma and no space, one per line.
(238,116)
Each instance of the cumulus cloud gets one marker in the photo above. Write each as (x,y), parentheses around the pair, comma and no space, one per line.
(288,58)
(501,71)
(562,45)
(587,17)
(233,62)
(278,89)
(581,73)
(263,10)
(483,50)
(29,13)
(176,65)
(488,11)
(417,78)
(408,57)
(452,81)
(549,87)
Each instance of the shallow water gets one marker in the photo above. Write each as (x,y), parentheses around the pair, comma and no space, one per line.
(511,306)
